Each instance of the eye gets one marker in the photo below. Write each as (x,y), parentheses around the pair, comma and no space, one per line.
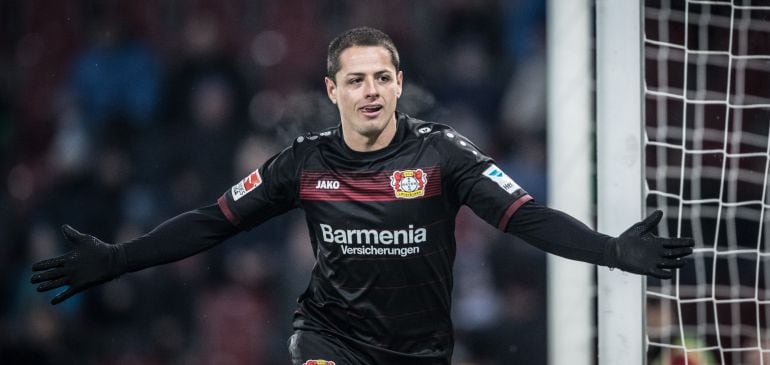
(385,78)
(355,81)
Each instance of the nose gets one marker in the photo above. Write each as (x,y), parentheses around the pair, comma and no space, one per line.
(370,88)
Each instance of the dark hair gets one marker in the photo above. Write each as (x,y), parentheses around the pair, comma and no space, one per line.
(363,36)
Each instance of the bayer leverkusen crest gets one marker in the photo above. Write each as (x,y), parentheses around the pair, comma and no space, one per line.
(409,184)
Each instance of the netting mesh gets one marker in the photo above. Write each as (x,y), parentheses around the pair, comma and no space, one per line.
(707,119)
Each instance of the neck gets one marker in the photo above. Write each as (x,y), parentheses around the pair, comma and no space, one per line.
(374,141)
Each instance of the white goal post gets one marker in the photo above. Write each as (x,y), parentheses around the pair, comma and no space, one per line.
(620,316)
(571,285)
(619,166)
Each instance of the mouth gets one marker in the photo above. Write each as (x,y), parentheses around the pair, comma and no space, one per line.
(371,110)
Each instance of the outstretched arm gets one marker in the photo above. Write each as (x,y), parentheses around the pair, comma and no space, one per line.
(636,250)
(92,262)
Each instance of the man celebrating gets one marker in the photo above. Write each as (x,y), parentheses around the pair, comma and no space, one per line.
(380,193)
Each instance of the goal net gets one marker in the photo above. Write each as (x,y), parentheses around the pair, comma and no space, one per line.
(707,118)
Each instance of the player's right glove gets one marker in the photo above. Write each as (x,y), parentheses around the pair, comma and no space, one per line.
(89,263)
(639,251)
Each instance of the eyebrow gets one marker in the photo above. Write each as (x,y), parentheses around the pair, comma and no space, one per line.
(363,73)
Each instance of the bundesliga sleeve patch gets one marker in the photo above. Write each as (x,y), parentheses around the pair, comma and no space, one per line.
(246,185)
(500,178)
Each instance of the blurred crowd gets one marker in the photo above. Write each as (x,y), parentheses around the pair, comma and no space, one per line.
(116,115)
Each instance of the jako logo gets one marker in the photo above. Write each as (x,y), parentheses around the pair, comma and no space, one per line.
(327,185)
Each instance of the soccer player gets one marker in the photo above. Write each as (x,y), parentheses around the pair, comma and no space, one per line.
(380,193)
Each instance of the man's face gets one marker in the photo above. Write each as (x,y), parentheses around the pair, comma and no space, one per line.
(366,90)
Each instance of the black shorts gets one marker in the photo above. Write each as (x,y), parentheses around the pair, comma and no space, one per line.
(313,348)
(322,348)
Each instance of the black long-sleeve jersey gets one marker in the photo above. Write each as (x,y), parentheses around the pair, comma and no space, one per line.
(381,226)
(382,229)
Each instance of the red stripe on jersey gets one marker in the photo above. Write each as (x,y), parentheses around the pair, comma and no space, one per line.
(512,209)
(222,203)
(363,186)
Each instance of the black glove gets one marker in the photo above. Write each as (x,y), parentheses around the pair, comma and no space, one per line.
(640,252)
(91,262)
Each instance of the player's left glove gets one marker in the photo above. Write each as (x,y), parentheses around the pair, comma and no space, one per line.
(639,251)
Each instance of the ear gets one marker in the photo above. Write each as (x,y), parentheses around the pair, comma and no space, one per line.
(400,83)
(331,89)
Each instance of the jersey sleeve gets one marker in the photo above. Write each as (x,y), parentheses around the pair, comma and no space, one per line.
(476,181)
(269,191)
